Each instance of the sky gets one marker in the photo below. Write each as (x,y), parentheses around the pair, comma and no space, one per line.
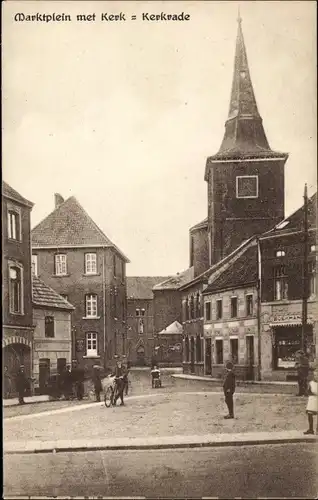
(123,115)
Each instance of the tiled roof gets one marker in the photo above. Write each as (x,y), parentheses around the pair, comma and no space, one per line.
(174,329)
(44,296)
(69,225)
(295,221)
(174,282)
(241,272)
(11,193)
(140,287)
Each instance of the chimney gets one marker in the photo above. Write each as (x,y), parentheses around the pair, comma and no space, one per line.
(58,200)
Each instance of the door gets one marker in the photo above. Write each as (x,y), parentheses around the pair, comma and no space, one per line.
(44,374)
(208,356)
(192,355)
(250,357)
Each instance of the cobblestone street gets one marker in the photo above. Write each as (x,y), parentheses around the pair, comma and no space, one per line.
(176,409)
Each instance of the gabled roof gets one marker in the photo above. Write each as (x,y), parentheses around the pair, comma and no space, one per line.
(140,287)
(174,329)
(44,296)
(294,222)
(12,194)
(241,272)
(176,281)
(69,225)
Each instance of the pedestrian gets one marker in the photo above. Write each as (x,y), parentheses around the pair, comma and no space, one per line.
(312,405)
(22,384)
(67,383)
(302,367)
(97,382)
(229,389)
(7,383)
(126,369)
(119,378)
(78,380)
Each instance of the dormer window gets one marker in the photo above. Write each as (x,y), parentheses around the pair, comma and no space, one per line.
(247,186)
(280,253)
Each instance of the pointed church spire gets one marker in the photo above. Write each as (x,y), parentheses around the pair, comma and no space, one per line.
(244,132)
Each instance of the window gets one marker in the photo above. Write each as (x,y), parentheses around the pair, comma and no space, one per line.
(60,264)
(13,225)
(312,278)
(186,349)
(249,305)
(198,305)
(141,326)
(247,186)
(234,350)
(91,344)
(34,265)
(137,312)
(312,248)
(219,352)
(198,349)
(90,263)
(49,327)
(233,307)
(114,264)
(91,306)
(219,309)
(280,253)
(15,289)
(142,312)
(208,311)
(192,307)
(280,283)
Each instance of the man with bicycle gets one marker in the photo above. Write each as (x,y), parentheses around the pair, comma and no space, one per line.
(119,375)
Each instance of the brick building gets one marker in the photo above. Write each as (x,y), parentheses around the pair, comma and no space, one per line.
(282,288)
(52,348)
(17,337)
(140,318)
(74,257)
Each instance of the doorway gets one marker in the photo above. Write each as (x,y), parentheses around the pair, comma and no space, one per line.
(208,356)
(192,354)
(250,357)
(44,374)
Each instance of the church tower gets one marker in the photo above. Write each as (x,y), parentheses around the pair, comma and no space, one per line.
(246,177)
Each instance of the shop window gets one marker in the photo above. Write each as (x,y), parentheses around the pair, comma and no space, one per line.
(208,311)
(233,307)
(234,350)
(49,327)
(219,352)
(219,309)
(249,305)
(280,283)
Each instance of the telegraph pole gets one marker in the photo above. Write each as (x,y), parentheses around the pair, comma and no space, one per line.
(305,273)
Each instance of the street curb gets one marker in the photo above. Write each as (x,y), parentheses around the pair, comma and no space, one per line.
(163,446)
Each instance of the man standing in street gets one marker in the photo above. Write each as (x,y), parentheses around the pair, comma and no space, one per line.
(22,384)
(97,382)
(229,389)
(78,380)
(302,367)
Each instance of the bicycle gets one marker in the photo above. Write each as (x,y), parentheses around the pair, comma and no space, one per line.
(111,395)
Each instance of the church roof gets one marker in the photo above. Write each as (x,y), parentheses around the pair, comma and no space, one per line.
(69,225)
(244,133)
(140,287)
(44,296)
(12,194)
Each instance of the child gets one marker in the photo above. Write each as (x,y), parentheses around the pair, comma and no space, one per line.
(312,405)
(229,388)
